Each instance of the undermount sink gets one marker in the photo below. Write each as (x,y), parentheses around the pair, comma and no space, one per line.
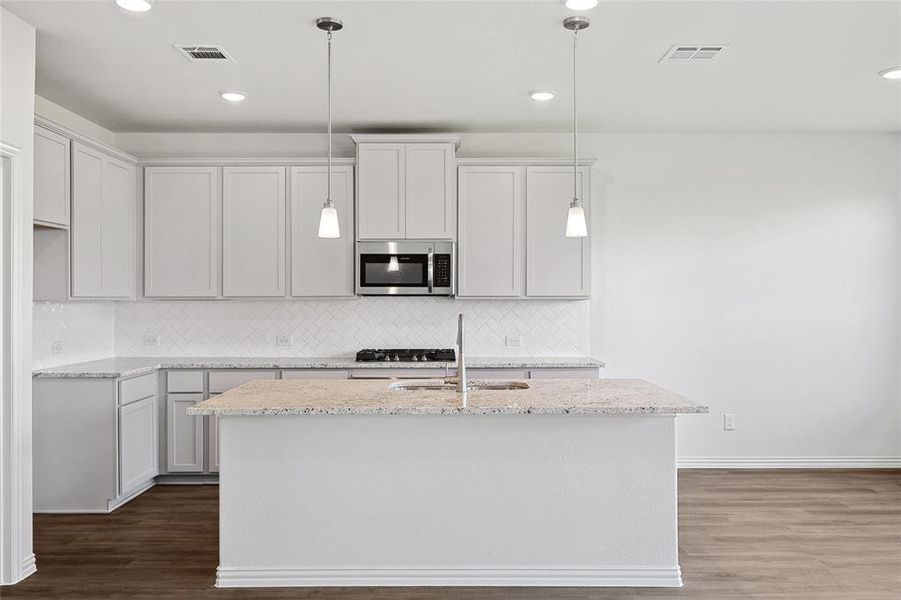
(450,386)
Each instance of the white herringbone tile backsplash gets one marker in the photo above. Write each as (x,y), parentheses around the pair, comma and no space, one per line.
(84,330)
(341,327)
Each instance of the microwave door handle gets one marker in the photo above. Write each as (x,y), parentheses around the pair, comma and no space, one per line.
(431,269)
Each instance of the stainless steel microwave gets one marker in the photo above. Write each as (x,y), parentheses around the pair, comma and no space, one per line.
(405,268)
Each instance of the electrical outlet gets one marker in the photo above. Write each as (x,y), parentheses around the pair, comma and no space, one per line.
(151,340)
(56,348)
(729,422)
(284,340)
(514,340)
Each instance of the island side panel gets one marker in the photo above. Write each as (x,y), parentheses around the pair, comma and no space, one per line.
(448,500)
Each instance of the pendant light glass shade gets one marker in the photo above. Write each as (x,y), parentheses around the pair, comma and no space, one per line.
(328,218)
(328,221)
(575,221)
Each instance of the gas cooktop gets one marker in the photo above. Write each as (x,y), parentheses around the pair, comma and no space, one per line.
(406,355)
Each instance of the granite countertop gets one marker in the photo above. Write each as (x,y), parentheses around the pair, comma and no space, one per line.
(372,397)
(131,367)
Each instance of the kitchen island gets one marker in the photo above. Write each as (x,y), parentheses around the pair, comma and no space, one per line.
(343,483)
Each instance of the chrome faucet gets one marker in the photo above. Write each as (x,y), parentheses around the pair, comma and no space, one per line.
(462,383)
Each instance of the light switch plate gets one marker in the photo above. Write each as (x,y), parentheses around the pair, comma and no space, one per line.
(151,340)
(56,348)
(284,340)
(729,422)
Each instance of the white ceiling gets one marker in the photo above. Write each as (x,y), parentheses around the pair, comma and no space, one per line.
(466,66)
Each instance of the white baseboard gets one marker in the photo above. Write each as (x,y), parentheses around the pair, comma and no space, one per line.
(396,577)
(790,462)
(29,566)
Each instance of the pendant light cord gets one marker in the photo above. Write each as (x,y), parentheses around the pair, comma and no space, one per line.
(575,124)
(329,170)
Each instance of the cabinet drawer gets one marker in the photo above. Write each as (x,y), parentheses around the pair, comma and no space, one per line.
(578,373)
(137,388)
(184,381)
(315,374)
(222,381)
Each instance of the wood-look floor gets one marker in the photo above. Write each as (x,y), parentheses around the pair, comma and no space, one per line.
(743,534)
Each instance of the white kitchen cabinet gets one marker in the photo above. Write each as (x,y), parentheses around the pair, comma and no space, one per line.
(184,434)
(319,266)
(95,441)
(381,191)
(102,229)
(556,266)
(253,231)
(405,190)
(138,444)
(181,232)
(491,231)
(51,178)
(429,194)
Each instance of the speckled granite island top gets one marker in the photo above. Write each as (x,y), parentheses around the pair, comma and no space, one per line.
(373,397)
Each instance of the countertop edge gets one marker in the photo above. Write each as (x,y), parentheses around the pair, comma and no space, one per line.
(71,371)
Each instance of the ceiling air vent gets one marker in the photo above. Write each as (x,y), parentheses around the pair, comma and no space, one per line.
(204,54)
(696,54)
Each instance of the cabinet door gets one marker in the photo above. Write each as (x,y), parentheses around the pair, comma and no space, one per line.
(117,236)
(556,266)
(137,444)
(87,221)
(491,231)
(430,205)
(184,434)
(381,191)
(253,231)
(321,267)
(51,177)
(181,232)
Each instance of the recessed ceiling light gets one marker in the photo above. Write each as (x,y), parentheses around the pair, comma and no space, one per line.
(233,96)
(541,95)
(135,5)
(580,4)
(891,73)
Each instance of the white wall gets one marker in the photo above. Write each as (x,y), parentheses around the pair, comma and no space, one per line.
(17,59)
(759,274)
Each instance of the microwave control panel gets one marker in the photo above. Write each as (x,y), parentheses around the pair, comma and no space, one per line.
(442,275)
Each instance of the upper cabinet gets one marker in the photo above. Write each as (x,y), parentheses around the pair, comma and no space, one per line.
(511,232)
(181,232)
(321,267)
(405,189)
(103,225)
(51,178)
(556,266)
(84,216)
(491,231)
(253,231)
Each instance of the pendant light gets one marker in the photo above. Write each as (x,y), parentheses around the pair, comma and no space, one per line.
(575,218)
(328,218)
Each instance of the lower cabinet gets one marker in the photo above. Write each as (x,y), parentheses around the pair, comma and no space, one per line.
(184,434)
(213,444)
(138,444)
(96,442)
